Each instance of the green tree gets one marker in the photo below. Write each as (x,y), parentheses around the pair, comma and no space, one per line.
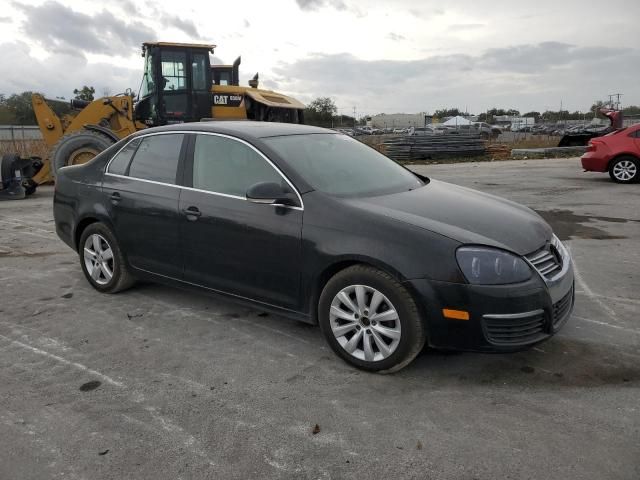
(85,93)
(447,112)
(631,110)
(19,104)
(320,112)
(533,114)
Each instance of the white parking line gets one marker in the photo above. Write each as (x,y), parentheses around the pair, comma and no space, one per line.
(589,293)
(63,360)
(605,324)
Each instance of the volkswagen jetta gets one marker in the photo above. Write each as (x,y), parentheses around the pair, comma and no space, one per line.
(309,223)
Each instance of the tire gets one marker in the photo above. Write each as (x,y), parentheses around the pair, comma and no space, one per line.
(625,169)
(7,167)
(113,274)
(361,284)
(77,148)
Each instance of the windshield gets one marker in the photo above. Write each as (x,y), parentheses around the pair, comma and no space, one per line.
(339,165)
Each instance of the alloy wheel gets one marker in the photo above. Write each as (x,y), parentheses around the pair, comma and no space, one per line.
(365,323)
(98,259)
(625,170)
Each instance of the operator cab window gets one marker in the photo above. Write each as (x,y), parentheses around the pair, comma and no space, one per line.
(174,70)
(198,71)
(224,165)
(148,87)
(221,77)
(157,158)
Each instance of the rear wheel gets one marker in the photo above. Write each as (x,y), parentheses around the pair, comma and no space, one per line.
(77,148)
(370,320)
(102,261)
(625,169)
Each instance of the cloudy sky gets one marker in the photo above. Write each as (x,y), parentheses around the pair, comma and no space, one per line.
(377,55)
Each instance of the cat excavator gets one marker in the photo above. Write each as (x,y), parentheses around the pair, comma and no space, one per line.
(179,84)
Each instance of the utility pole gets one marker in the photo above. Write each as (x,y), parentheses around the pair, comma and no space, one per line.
(354,118)
(615,104)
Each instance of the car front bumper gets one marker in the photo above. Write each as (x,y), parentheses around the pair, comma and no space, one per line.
(502,318)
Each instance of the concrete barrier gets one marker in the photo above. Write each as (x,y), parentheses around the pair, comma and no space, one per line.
(548,152)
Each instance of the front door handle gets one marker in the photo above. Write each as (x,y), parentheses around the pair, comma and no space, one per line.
(192,213)
(115,198)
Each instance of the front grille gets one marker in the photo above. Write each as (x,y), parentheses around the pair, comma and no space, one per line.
(515,329)
(547,261)
(561,308)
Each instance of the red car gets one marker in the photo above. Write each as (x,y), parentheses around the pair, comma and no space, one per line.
(617,153)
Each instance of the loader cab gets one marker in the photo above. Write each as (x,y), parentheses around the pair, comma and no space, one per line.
(226,74)
(176,84)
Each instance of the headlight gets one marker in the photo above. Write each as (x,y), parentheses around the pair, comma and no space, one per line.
(489,266)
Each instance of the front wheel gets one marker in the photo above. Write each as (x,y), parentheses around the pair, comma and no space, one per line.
(370,320)
(625,170)
(102,261)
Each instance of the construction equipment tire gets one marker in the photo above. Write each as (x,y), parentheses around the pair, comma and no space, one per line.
(77,148)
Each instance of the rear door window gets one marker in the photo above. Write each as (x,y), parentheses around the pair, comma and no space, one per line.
(157,158)
(120,162)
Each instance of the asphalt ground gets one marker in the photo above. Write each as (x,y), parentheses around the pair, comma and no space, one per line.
(160,383)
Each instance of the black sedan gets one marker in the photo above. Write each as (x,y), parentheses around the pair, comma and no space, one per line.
(309,223)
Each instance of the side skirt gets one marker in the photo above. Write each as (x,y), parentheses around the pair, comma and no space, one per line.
(247,302)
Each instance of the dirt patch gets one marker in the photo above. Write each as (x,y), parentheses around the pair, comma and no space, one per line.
(567,224)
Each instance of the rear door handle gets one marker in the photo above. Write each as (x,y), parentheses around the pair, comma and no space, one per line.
(192,213)
(115,198)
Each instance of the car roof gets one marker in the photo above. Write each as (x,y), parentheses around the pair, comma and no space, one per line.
(241,128)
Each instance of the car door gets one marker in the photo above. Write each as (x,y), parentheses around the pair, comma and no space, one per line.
(636,140)
(229,243)
(142,202)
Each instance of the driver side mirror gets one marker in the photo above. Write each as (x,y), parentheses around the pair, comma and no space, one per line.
(272,193)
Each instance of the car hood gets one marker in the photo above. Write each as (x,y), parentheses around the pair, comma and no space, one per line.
(465,215)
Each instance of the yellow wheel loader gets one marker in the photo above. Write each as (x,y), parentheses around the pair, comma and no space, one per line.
(179,84)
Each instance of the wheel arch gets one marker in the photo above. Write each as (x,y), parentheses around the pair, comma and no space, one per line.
(84,222)
(620,155)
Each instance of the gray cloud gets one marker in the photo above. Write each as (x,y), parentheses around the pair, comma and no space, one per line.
(5,20)
(395,36)
(311,5)
(60,29)
(129,7)
(246,23)
(544,56)
(60,73)
(186,26)
(527,77)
